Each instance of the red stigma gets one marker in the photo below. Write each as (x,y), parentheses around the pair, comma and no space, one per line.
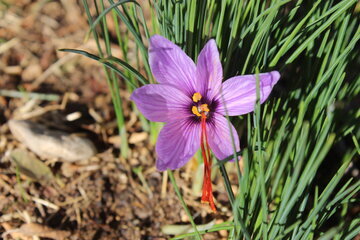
(207,194)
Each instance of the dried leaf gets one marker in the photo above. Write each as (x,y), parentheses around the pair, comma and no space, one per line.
(34,229)
(31,166)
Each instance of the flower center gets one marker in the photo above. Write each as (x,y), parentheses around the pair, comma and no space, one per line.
(199,109)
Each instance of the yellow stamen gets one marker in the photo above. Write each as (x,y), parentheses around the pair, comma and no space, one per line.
(196,97)
(200,110)
(204,108)
(195,111)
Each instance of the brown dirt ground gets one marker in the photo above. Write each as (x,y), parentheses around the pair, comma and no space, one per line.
(100,198)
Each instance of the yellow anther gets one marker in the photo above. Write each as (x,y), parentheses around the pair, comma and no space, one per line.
(195,111)
(200,110)
(204,108)
(196,97)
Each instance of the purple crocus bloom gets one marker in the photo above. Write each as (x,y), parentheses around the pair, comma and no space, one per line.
(192,100)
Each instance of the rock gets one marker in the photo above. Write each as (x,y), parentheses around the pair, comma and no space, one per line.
(51,143)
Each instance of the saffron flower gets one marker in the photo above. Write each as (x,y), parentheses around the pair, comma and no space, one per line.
(192,100)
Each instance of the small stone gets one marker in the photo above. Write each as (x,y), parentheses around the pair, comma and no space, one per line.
(123,179)
(138,137)
(31,72)
(134,161)
(142,213)
(51,143)
(115,140)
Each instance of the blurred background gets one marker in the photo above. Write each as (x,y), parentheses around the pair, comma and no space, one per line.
(96,198)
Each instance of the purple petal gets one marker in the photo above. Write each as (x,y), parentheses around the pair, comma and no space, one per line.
(161,103)
(209,72)
(219,137)
(170,65)
(177,143)
(239,93)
